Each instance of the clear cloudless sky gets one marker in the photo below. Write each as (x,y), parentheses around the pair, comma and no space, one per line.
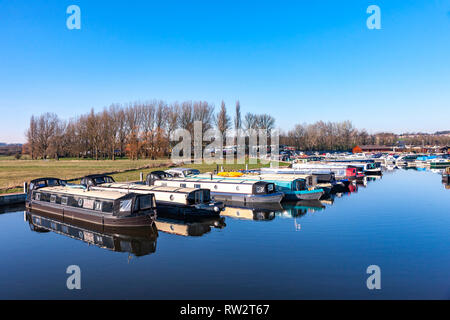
(300,61)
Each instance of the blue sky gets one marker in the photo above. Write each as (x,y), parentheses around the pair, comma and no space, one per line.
(300,61)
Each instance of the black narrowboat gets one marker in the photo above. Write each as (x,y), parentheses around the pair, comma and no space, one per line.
(107,208)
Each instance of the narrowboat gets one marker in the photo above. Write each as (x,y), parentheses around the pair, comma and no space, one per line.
(294,188)
(320,176)
(326,179)
(341,171)
(107,208)
(170,201)
(221,189)
(137,241)
(366,168)
(313,181)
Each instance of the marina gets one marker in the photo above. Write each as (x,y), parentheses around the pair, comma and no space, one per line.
(304,249)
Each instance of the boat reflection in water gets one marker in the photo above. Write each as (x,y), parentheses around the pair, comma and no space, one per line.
(12,208)
(189,227)
(300,208)
(136,241)
(256,212)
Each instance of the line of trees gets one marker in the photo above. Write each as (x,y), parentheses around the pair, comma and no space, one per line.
(135,130)
(439,139)
(333,136)
(143,130)
(343,136)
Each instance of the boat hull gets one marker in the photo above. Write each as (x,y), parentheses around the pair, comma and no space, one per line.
(82,215)
(275,197)
(304,195)
(169,210)
(374,172)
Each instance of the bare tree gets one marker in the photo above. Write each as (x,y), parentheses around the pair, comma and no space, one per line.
(223,121)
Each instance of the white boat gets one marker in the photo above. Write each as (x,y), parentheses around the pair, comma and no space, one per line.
(222,190)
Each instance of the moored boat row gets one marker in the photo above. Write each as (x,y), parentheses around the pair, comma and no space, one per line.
(184,192)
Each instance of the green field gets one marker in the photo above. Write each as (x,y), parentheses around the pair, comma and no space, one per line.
(13,173)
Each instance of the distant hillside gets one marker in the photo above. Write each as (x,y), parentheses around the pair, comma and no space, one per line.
(442,132)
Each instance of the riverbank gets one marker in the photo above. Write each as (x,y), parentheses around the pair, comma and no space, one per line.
(13,173)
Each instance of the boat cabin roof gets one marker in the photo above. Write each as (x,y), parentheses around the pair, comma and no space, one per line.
(206,180)
(108,195)
(142,187)
(41,182)
(181,169)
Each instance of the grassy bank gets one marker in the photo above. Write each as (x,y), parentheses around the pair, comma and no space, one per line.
(14,172)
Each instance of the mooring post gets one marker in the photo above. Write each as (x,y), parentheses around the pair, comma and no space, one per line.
(25,187)
(246,167)
(141,176)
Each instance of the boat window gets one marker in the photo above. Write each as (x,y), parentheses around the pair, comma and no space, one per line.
(98,205)
(80,202)
(172,197)
(53,198)
(64,201)
(270,187)
(88,204)
(198,197)
(125,205)
(300,185)
(197,186)
(107,206)
(191,172)
(145,202)
(260,189)
(105,179)
(183,185)
(52,182)
(37,196)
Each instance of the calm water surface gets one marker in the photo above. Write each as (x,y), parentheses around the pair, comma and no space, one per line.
(400,222)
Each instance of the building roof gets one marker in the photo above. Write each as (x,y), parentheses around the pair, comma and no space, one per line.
(366,147)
